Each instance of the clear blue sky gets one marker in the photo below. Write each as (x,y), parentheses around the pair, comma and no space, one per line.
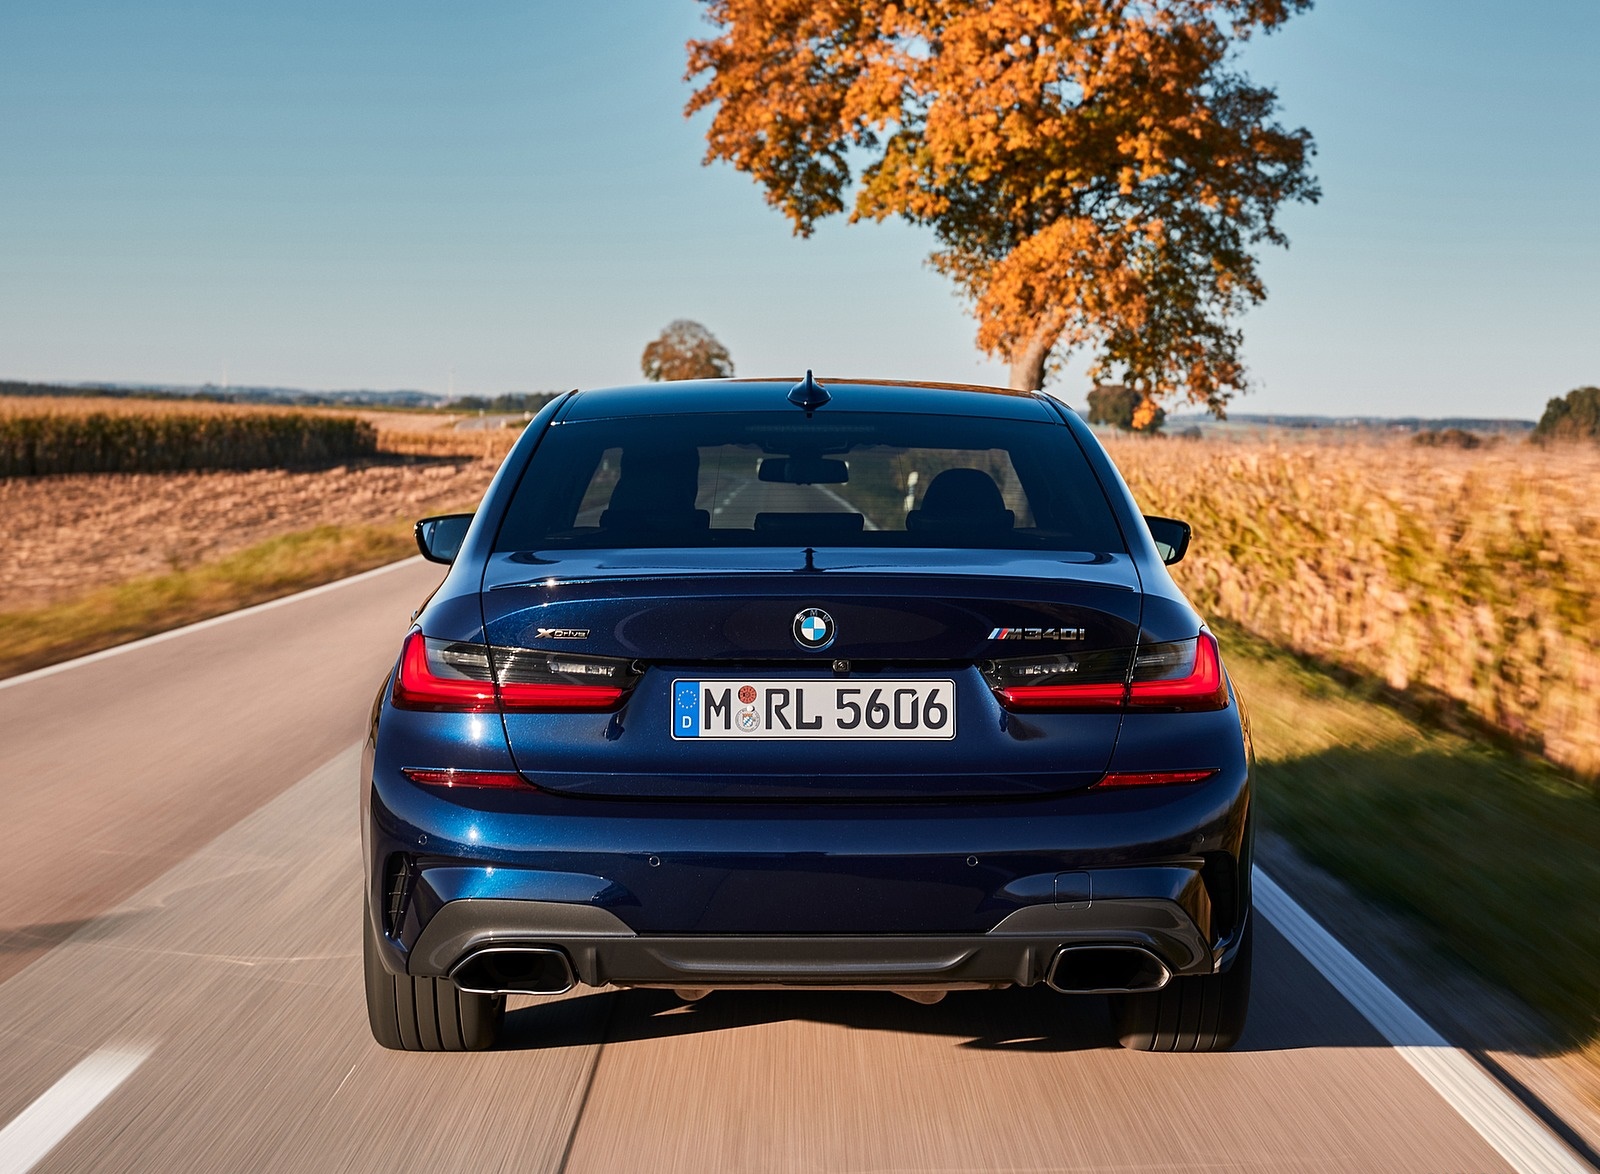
(374,195)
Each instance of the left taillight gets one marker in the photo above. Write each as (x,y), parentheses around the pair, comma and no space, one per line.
(444,676)
(461,677)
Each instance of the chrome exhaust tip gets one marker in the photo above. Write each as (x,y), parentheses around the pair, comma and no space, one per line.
(514,970)
(1107,970)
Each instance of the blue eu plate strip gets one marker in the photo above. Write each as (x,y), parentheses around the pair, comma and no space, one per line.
(686,709)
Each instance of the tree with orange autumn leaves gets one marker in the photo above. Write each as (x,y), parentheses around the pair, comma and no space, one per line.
(1097,172)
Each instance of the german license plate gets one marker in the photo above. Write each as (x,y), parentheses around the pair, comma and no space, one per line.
(813,709)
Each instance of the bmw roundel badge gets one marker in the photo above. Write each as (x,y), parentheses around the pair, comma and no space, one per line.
(813,628)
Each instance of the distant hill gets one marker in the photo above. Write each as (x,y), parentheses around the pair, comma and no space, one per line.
(242,395)
(1375,423)
(512,401)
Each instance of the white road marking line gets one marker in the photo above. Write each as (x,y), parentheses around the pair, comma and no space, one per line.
(850,507)
(39,1128)
(1519,1137)
(201,625)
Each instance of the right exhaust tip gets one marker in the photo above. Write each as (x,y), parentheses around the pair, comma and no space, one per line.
(514,970)
(1107,970)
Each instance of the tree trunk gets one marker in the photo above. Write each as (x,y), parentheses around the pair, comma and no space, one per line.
(1027,363)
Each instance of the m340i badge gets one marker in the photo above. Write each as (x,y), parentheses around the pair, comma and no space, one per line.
(1037,634)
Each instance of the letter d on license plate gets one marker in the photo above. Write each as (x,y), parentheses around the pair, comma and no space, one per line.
(755,709)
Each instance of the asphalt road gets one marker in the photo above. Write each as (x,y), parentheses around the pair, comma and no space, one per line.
(180,985)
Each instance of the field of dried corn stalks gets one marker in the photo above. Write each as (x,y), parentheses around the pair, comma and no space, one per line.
(42,435)
(1468,578)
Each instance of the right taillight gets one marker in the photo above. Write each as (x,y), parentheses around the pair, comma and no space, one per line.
(1181,676)
(1184,676)
(462,677)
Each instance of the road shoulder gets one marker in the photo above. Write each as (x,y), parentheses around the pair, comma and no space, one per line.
(1509,1039)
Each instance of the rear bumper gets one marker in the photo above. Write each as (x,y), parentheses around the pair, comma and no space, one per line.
(1159,909)
(705,895)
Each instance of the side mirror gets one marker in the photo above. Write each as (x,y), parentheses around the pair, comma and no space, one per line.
(1171,537)
(439,538)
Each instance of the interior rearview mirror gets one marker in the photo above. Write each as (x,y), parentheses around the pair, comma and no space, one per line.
(1171,537)
(439,538)
(804,471)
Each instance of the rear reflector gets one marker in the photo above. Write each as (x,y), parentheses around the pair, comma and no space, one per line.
(1156,778)
(462,677)
(432,777)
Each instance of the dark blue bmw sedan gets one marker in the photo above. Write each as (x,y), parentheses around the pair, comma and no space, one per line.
(848,685)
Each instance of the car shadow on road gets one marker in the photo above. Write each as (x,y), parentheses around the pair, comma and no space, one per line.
(1292,1008)
(1008,1020)
(20,945)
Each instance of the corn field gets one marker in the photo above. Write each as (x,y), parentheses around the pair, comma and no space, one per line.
(1468,576)
(442,443)
(431,435)
(105,442)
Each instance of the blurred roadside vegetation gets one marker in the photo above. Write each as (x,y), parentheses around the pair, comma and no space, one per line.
(150,604)
(516,401)
(1467,582)
(1492,849)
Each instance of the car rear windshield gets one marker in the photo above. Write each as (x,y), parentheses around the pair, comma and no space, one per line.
(836,479)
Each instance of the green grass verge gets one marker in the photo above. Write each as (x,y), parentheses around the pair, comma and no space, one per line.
(1498,853)
(139,607)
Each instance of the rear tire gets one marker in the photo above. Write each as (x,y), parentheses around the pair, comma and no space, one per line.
(1195,1013)
(424,1014)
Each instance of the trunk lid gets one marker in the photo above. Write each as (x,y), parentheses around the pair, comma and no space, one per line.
(729,618)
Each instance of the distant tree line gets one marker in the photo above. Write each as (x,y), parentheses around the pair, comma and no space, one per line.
(1449,438)
(512,401)
(16,387)
(1575,416)
(211,393)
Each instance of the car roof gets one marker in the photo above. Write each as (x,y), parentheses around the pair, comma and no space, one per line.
(847,395)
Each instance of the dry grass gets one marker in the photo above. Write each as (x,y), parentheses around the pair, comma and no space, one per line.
(489,444)
(90,531)
(107,558)
(1465,578)
(106,616)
